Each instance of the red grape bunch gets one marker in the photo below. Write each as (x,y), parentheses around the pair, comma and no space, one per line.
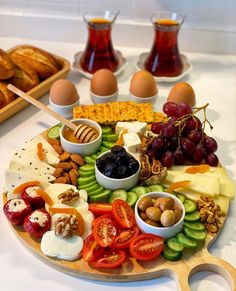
(182,139)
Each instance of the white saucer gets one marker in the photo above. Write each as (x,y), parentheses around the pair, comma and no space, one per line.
(186,70)
(76,64)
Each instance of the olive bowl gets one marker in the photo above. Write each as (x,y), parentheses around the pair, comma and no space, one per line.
(164,232)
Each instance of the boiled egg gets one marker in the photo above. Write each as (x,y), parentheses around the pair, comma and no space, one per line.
(63,92)
(143,85)
(182,93)
(103,83)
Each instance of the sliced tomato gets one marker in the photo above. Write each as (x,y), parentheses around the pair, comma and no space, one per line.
(92,250)
(123,213)
(146,247)
(100,208)
(107,215)
(104,231)
(124,237)
(112,258)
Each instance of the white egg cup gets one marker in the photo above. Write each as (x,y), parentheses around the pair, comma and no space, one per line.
(164,232)
(83,149)
(103,99)
(65,110)
(137,99)
(114,184)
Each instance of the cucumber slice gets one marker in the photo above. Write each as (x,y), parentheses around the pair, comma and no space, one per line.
(156,188)
(174,245)
(85,187)
(194,225)
(86,174)
(132,197)
(92,188)
(89,160)
(96,192)
(108,144)
(110,137)
(189,206)
(193,216)
(171,255)
(181,197)
(94,156)
(103,149)
(186,242)
(101,197)
(106,130)
(198,235)
(87,168)
(118,194)
(82,181)
(139,190)
(148,189)
(54,132)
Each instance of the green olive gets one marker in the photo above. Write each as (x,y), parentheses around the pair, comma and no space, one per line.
(144,203)
(153,213)
(151,222)
(178,213)
(167,203)
(168,218)
(157,202)
(143,215)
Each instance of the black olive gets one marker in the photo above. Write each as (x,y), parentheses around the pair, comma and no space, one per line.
(133,165)
(122,172)
(110,170)
(118,149)
(122,159)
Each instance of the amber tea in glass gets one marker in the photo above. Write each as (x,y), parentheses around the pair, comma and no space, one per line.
(164,58)
(99,52)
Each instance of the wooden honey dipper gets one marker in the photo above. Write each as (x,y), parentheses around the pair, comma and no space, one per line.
(82,132)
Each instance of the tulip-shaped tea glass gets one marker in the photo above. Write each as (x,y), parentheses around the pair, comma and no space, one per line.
(99,52)
(164,58)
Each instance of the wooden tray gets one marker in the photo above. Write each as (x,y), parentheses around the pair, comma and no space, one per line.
(38,91)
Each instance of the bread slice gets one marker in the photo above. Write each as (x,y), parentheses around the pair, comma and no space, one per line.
(6,96)
(7,68)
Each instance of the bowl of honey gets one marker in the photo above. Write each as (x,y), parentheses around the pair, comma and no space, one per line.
(85,140)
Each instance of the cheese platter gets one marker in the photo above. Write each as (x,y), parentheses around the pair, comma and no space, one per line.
(104,238)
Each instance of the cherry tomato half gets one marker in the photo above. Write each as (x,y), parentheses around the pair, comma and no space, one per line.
(104,231)
(123,213)
(91,250)
(146,247)
(111,259)
(124,237)
(100,208)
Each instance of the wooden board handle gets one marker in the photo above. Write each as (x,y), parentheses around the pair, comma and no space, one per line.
(41,106)
(210,263)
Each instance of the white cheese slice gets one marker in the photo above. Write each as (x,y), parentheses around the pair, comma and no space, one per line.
(131,141)
(18,167)
(30,147)
(58,247)
(15,178)
(135,126)
(32,163)
(213,170)
(223,202)
(227,187)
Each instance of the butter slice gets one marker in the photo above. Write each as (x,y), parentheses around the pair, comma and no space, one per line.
(131,141)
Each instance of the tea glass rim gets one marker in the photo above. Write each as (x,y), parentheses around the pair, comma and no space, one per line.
(172,15)
(105,14)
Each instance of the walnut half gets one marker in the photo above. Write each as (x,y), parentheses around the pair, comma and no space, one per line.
(68,196)
(65,225)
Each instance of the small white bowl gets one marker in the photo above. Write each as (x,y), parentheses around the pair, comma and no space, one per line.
(151,99)
(164,232)
(114,184)
(103,99)
(83,149)
(65,110)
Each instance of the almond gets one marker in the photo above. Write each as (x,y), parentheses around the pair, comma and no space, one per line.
(66,166)
(61,180)
(74,166)
(65,156)
(77,159)
(53,141)
(58,149)
(66,175)
(73,177)
(58,172)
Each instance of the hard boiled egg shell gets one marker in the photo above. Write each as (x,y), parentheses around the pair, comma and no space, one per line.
(143,85)
(63,92)
(182,93)
(103,83)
